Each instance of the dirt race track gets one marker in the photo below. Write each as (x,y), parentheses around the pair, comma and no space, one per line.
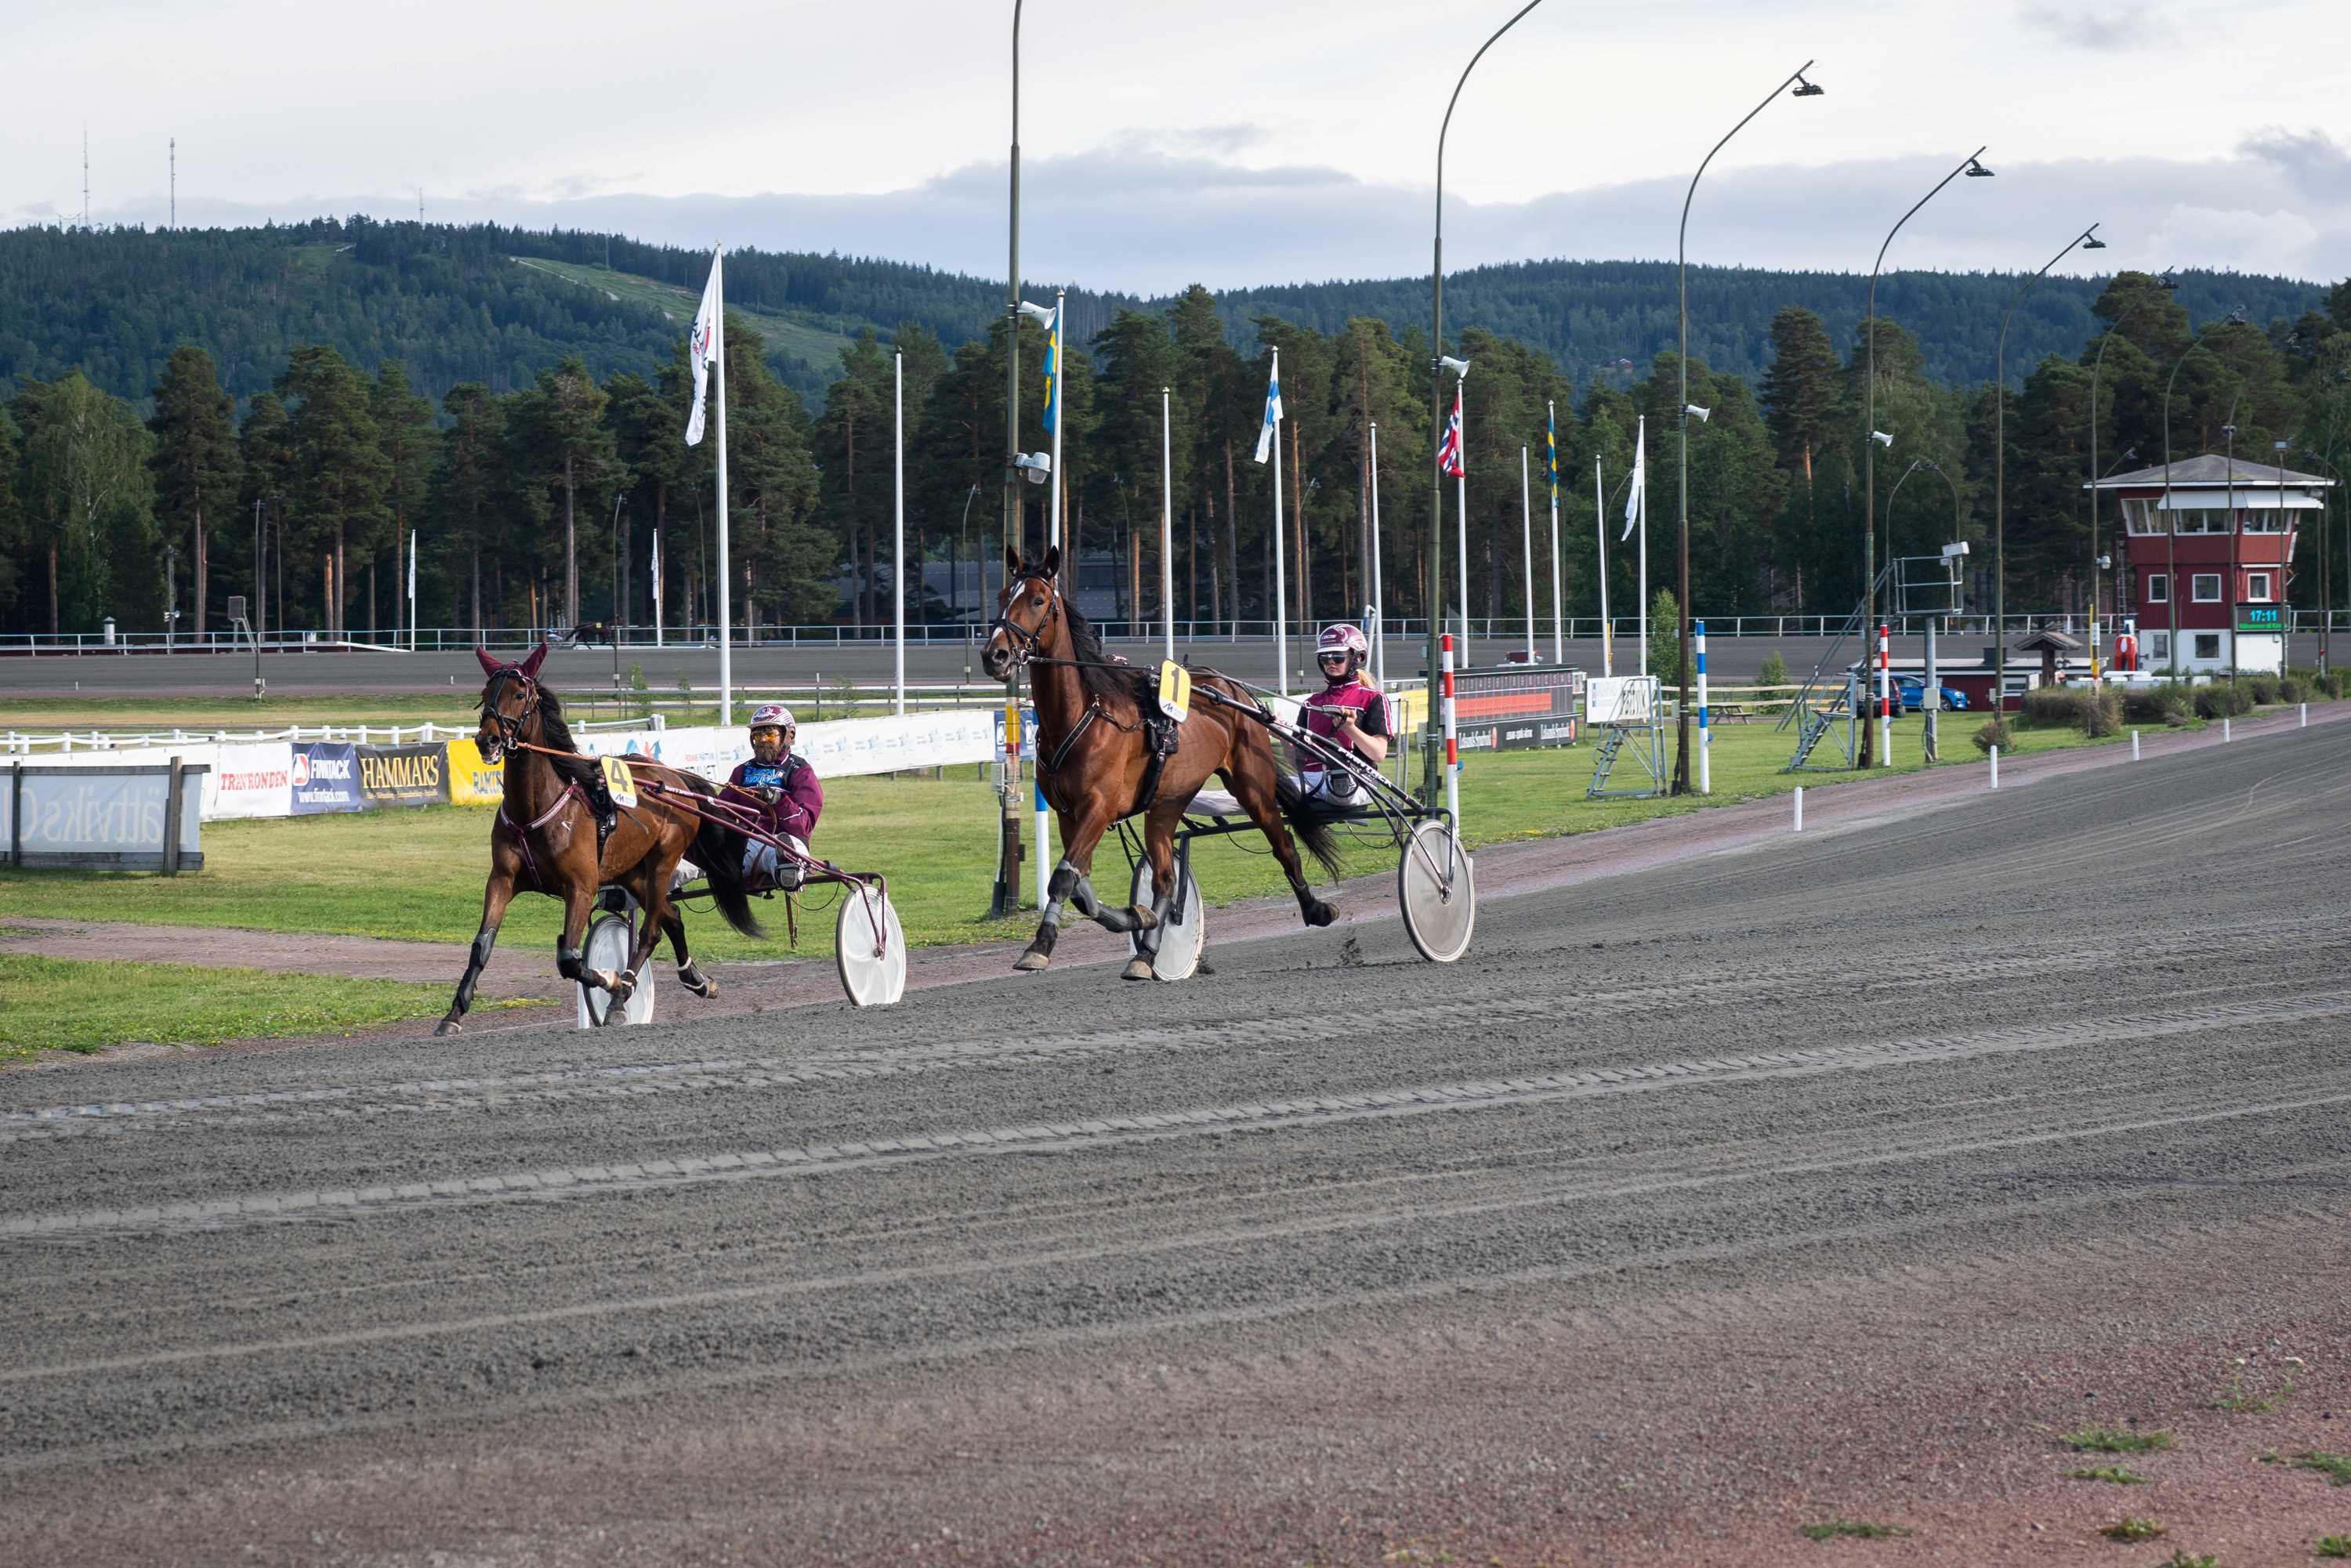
(1817,1178)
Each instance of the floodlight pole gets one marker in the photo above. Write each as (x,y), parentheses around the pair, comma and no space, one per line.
(1869,421)
(1436,415)
(1682,733)
(2000,476)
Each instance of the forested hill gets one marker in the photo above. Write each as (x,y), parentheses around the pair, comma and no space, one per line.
(495,305)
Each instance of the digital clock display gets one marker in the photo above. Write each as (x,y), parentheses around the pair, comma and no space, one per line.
(2261,617)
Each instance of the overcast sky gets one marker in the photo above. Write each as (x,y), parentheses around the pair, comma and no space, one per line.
(1216,141)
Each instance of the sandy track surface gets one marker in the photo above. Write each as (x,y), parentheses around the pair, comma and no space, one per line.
(1829,1177)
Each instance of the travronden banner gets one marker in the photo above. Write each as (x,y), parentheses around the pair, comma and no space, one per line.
(325,778)
(405,775)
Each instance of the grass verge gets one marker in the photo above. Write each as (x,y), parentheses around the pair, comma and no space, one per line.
(66,1004)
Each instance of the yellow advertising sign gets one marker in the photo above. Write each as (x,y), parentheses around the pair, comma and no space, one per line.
(472,781)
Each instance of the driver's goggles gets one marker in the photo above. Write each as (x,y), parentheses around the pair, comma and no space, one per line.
(768,732)
(1339,658)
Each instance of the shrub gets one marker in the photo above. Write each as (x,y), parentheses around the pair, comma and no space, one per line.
(2263,689)
(1993,733)
(2093,710)
(2292,689)
(1774,672)
(2169,703)
(2220,698)
(2102,716)
(2334,683)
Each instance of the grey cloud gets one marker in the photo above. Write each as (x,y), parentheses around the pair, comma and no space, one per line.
(2313,159)
(1152,223)
(2101,28)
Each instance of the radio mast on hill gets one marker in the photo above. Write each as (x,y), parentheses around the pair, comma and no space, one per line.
(85,176)
(175,182)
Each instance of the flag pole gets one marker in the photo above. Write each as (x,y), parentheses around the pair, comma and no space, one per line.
(1461,513)
(1641,438)
(414,551)
(658,638)
(1280,586)
(1167,520)
(1558,626)
(1060,352)
(725,577)
(1608,630)
(1379,604)
(1526,549)
(898,523)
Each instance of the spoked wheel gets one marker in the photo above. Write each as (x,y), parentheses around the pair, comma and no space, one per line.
(1437,888)
(870,946)
(611,936)
(1180,940)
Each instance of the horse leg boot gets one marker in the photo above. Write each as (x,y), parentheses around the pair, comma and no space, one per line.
(476,959)
(1067,880)
(688,975)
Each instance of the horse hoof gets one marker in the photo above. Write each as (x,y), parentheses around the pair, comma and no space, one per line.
(1320,914)
(1145,920)
(450,1026)
(1033,960)
(1137,969)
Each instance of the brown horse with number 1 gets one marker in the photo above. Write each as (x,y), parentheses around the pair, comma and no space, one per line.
(547,839)
(1095,759)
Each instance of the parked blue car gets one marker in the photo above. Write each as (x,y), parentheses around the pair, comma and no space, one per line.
(1910,691)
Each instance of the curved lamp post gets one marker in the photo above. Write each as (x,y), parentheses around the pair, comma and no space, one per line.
(2098,367)
(1431,754)
(2170,533)
(2087,240)
(1973,170)
(1795,86)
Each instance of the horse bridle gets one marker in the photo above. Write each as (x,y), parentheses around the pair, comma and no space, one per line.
(1024,640)
(509,728)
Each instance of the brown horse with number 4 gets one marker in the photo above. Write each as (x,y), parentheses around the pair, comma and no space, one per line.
(547,839)
(1100,759)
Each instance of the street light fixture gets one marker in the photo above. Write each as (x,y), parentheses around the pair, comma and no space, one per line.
(1797,88)
(2000,481)
(1974,171)
(1436,407)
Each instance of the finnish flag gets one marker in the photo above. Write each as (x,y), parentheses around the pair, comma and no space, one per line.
(1272,410)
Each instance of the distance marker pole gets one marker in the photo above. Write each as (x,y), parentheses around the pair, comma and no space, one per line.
(1452,742)
(1705,734)
(1884,713)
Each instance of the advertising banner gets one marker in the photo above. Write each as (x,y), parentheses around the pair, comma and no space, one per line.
(99,817)
(472,781)
(250,780)
(405,775)
(325,778)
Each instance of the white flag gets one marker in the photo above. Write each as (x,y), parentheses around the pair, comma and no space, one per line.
(702,347)
(1272,412)
(1638,495)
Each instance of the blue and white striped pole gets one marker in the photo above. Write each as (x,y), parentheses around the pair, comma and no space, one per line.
(1705,734)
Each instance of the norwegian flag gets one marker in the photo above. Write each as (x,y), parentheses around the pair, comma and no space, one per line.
(1448,451)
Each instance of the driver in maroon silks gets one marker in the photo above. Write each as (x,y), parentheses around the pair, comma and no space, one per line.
(781,788)
(1349,712)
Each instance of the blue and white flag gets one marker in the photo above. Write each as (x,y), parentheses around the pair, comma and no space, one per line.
(1052,367)
(1273,410)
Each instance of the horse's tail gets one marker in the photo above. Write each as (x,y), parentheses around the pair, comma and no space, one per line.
(718,850)
(1309,819)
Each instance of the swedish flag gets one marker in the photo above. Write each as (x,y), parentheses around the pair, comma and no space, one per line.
(1551,449)
(1053,367)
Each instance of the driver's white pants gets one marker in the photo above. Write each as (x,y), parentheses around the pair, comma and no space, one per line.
(763,867)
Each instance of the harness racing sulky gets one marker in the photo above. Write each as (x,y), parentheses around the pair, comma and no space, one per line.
(611,839)
(1116,742)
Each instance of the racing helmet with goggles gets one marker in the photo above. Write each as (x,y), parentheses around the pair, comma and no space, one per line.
(773,716)
(1345,643)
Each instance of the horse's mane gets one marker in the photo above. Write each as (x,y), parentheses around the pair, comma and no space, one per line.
(557,736)
(1096,673)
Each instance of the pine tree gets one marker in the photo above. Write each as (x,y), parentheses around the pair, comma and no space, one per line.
(405,424)
(570,448)
(196,463)
(340,474)
(90,500)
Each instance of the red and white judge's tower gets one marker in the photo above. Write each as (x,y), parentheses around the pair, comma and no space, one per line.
(2184,540)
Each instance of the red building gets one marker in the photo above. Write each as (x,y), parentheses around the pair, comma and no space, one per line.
(2180,544)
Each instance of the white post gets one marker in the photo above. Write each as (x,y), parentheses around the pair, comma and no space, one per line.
(1607,632)
(1705,734)
(1280,584)
(725,584)
(2224,727)
(1379,627)
(657,591)
(2134,746)
(1800,809)
(1558,626)
(1060,352)
(1884,704)
(2305,717)
(1167,519)
(1044,835)
(414,551)
(1526,549)
(1995,767)
(898,524)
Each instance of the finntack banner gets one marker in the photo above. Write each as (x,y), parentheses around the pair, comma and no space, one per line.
(325,778)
